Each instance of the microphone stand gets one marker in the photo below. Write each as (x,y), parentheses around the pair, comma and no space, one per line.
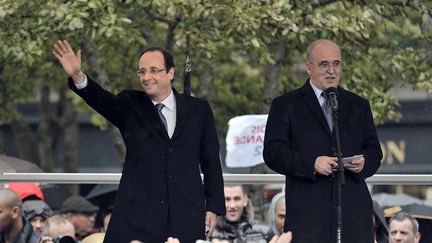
(341,179)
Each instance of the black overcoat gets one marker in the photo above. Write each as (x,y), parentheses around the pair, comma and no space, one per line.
(296,134)
(161,179)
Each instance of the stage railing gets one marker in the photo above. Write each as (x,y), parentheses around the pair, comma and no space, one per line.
(114,178)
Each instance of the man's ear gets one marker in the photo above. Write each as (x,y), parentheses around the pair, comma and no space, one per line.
(307,67)
(171,73)
(418,236)
(16,212)
(246,201)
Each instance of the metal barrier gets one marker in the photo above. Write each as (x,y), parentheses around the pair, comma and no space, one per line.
(114,178)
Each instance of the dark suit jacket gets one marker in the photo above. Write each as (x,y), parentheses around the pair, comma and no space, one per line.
(161,193)
(296,134)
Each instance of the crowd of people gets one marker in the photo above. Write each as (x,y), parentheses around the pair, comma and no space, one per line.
(27,218)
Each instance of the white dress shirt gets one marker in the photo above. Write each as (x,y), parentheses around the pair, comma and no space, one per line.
(170,112)
(318,93)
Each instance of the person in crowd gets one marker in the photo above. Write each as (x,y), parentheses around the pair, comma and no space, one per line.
(285,237)
(300,143)
(36,212)
(14,228)
(238,225)
(403,228)
(58,227)
(27,190)
(276,214)
(81,213)
(97,237)
(380,224)
(105,221)
(169,139)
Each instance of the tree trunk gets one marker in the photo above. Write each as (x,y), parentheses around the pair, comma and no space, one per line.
(205,86)
(273,74)
(45,139)
(270,88)
(69,126)
(25,141)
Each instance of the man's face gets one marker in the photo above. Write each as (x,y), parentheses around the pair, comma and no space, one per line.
(402,232)
(235,202)
(7,216)
(280,215)
(158,84)
(37,222)
(321,65)
(83,223)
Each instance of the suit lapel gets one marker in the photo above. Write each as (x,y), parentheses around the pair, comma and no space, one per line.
(311,101)
(343,103)
(184,110)
(147,112)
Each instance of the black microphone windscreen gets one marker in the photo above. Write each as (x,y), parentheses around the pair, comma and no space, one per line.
(331,90)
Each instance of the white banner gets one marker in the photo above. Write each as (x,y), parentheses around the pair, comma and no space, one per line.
(245,140)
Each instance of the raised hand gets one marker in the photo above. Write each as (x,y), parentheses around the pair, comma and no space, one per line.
(70,61)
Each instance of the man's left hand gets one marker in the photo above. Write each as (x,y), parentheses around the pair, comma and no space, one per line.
(355,166)
(210,223)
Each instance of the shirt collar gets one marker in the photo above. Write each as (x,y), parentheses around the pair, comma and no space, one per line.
(317,92)
(169,101)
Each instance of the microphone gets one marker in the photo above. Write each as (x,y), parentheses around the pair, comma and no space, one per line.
(332,96)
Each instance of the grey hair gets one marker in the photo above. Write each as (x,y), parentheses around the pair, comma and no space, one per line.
(401,216)
(55,220)
(272,211)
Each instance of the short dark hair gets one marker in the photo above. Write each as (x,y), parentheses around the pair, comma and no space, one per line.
(401,216)
(168,57)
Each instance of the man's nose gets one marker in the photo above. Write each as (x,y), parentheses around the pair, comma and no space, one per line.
(38,224)
(147,76)
(331,69)
(230,204)
(398,236)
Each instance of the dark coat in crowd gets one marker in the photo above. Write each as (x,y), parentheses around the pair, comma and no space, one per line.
(296,134)
(161,192)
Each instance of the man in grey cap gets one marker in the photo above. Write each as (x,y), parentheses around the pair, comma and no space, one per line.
(36,212)
(81,213)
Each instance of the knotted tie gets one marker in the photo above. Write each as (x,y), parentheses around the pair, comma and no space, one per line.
(159,107)
(327,111)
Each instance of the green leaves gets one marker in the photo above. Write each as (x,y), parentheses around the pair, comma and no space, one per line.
(230,43)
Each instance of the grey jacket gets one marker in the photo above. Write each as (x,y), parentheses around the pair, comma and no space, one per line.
(242,232)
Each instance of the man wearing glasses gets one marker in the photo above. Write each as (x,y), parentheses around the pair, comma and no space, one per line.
(169,138)
(300,143)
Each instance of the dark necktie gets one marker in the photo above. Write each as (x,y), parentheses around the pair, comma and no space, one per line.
(159,107)
(327,112)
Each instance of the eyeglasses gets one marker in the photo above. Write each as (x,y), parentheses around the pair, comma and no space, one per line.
(152,71)
(325,65)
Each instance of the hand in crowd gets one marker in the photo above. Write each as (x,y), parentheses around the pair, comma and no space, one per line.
(172,240)
(45,239)
(283,238)
(210,222)
(324,165)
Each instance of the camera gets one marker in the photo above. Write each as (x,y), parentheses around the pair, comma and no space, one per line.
(64,239)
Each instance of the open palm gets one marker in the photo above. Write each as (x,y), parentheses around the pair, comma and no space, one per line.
(70,61)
